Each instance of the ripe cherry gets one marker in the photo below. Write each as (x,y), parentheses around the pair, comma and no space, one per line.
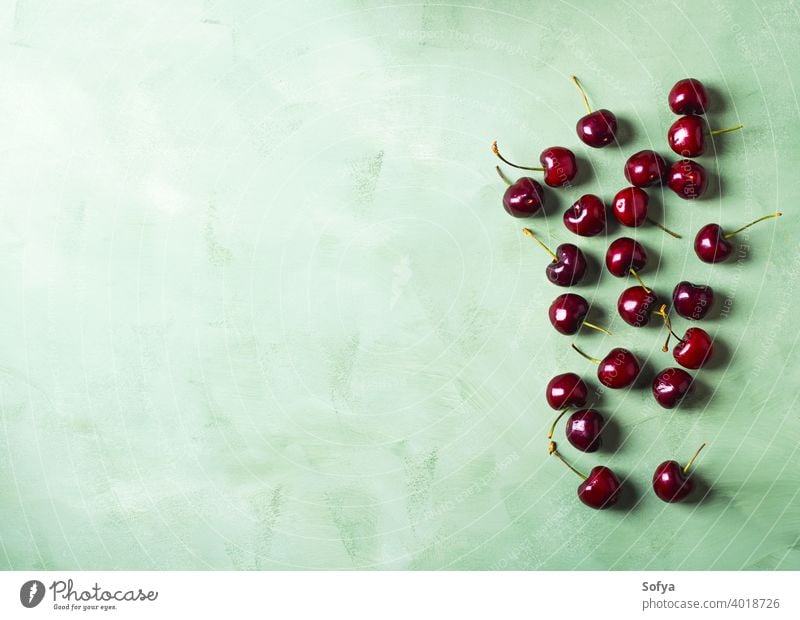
(568,312)
(558,164)
(597,129)
(600,489)
(568,264)
(522,198)
(616,370)
(645,168)
(687,135)
(693,350)
(670,386)
(673,483)
(635,305)
(566,390)
(688,96)
(692,301)
(630,208)
(586,217)
(688,179)
(626,256)
(711,243)
(583,429)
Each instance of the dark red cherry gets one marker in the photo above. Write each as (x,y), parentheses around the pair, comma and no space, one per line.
(624,254)
(559,166)
(688,96)
(600,489)
(599,127)
(687,136)
(587,216)
(584,428)
(688,179)
(711,243)
(694,349)
(618,369)
(692,301)
(670,386)
(566,390)
(567,313)
(523,198)
(645,168)
(635,305)
(569,266)
(630,206)
(673,483)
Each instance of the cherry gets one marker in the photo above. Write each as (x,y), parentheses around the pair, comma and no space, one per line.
(600,489)
(630,209)
(645,168)
(597,129)
(625,256)
(558,165)
(670,386)
(616,370)
(634,305)
(673,483)
(688,179)
(692,301)
(687,135)
(688,96)
(693,350)
(583,429)
(567,314)
(522,198)
(566,390)
(711,243)
(587,216)
(568,264)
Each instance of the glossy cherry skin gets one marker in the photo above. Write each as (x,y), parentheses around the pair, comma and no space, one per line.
(670,386)
(570,266)
(692,301)
(587,216)
(688,96)
(566,390)
(559,166)
(618,369)
(688,179)
(710,244)
(601,489)
(584,428)
(597,129)
(687,136)
(523,198)
(624,254)
(630,206)
(694,349)
(670,483)
(645,168)
(635,305)
(567,313)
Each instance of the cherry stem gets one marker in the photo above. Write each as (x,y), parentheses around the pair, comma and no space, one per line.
(717,132)
(588,357)
(662,312)
(529,232)
(691,460)
(502,175)
(553,427)
(598,328)
(761,219)
(552,449)
(583,93)
(496,151)
(639,280)
(664,228)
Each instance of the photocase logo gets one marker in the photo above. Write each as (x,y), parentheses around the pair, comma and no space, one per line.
(31,593)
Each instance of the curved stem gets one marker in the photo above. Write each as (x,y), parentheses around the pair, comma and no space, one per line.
(553,426)
(691,460)
(557,454)
(583,94)
(598,328)
(717,132)
(529,232)
(761,219)
(662,312)
(639,280)
(588,357)
(502,175)
(664,228)
(496,151)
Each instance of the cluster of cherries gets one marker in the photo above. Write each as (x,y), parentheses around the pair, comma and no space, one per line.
(626,256)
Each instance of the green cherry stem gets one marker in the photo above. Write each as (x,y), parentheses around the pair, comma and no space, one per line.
(717,132)
(639,280)
(529,232)
(553,426)
(496,151)
(598,328)
(583,93)
(502,175)
(761,219)
(552,449)
(662,312)
(664,228)
(691,460)
(588,357)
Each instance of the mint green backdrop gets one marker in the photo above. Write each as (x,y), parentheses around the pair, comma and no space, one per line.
(262,307)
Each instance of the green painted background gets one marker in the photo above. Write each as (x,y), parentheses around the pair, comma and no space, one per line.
(262,307)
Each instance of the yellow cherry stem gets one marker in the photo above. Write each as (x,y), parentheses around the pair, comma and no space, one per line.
(529,232)
(761,219)
(639,280)
(598,328)
(662,312)
(691,460)
(583,93)
(664,228)
(553,426)
(552,449)
(496,151)
(588,357)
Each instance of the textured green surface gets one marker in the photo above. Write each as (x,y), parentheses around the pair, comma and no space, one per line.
(262,308)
